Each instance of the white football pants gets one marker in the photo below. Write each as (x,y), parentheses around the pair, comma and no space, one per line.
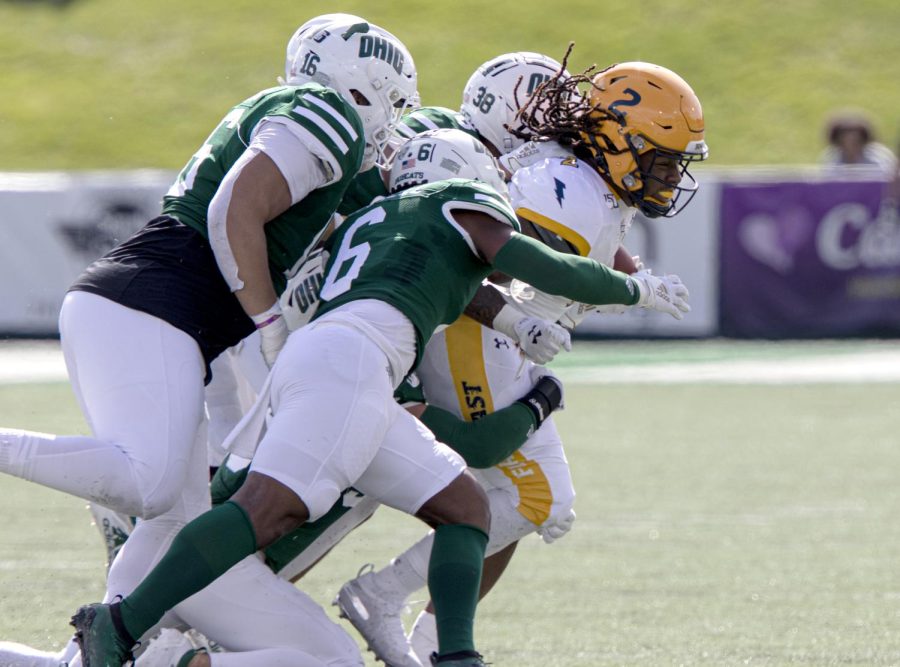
(139,383)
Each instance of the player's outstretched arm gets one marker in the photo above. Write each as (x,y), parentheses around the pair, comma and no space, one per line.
(491,439)
(578,278)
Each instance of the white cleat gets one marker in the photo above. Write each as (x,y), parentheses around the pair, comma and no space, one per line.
(423,637)
(375,613)
(165,650)
(20,655)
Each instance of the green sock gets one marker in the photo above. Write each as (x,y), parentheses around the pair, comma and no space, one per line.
(187,657)
(204,550)
(454,577)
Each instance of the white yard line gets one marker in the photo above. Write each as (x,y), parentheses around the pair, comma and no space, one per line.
(41,361)
(31,361)
(862,367)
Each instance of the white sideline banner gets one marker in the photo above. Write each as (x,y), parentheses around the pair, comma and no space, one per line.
(52,225)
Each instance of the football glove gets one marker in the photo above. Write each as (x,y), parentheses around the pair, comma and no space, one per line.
(300,298)
(666,294)
(552,529)
(538,339)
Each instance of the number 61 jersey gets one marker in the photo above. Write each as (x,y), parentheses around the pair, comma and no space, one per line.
(408,251)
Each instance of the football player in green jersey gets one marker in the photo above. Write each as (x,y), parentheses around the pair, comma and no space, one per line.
(565,198)
(398,269)
(142,324)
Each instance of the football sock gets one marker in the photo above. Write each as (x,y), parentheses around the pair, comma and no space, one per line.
(205,549)
(187,657)
(454,577)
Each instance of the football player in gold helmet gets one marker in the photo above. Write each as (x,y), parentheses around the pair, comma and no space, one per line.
(640,125)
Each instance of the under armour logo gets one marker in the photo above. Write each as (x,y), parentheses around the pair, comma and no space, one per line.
(501,342)
(534,333)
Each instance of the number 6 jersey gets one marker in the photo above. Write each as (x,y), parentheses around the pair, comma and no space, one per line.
(408,251)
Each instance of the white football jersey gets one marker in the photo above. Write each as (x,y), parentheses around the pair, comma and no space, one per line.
(567,197)
(532,152)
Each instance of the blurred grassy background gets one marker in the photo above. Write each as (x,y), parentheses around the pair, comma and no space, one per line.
(110,84)
(717,525)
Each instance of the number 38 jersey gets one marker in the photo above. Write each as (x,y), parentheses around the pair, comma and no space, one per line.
(331,130)
(408,251)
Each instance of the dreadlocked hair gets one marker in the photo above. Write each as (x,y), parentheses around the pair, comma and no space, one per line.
(558,111)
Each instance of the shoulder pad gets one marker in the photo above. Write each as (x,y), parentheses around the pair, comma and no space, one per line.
(328,125)
(429,118)
(477,196)
(568,197)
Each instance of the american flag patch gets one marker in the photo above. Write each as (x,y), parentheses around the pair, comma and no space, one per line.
(409,163)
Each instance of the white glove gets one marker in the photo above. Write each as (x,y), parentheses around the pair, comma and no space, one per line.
(552,529)
(300,299)
(538,339)
(667,294)
(273,332)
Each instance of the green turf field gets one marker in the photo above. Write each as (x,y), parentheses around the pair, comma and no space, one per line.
(111,84)
(717,525)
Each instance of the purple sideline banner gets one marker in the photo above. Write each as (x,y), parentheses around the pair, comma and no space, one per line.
(809,259)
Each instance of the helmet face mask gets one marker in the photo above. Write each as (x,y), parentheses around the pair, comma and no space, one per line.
(660,184)
(498,89)
(369,67)
(437,155)
(648,129)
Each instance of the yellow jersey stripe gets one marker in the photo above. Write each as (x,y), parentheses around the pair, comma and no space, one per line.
(465,355)
(570,235)
(535,495)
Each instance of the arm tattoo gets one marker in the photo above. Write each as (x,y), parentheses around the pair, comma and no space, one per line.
(485,305)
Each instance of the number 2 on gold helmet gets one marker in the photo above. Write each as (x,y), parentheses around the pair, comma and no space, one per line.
(637,108)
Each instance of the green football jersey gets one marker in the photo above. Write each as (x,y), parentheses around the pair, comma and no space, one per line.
(408,251)
(330,127)
(370,184)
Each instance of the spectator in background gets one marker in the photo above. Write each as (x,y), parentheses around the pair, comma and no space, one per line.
(851,140)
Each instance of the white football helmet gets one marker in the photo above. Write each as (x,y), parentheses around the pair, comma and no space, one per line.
(437,155)
(313,24)
(490,97)
(370,68)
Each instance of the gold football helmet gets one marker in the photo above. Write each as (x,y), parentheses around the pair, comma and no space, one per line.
(637,108)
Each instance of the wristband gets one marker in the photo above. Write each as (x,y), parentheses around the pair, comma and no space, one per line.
(266,317)
(543,399)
